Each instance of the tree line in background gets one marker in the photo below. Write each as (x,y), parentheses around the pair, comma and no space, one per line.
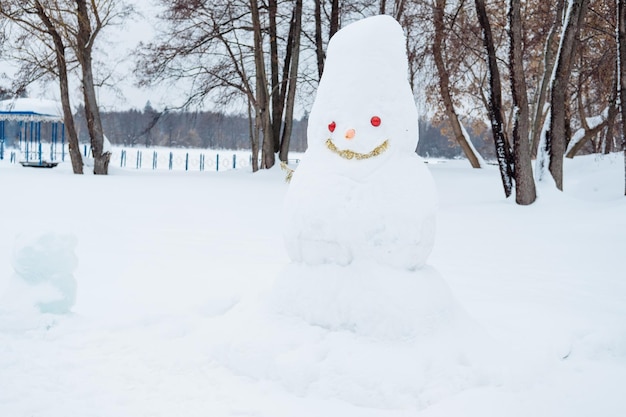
(547,76)
(212,130)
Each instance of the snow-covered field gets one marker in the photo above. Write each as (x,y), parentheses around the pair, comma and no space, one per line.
(184,290)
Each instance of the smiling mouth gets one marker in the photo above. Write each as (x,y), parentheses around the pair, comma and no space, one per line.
(348,154)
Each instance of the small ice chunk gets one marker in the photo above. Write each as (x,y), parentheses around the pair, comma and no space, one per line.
(45,262)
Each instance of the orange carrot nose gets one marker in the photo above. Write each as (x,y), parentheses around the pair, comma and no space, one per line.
(350,133)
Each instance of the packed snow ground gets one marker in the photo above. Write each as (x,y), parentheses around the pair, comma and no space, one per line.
(183,282)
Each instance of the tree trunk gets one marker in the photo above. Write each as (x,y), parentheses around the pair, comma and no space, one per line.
(68,117)
(334,18)
(556,140)
(262,97)
(610,124)
(548,67)
(398,9)
(503,152)
(444,84)
(525,192)
(621,42)
(92,112)
(587,135)
(292,82)
(284,81)
(254,139)
(319,43)
(605,144)
(277,103)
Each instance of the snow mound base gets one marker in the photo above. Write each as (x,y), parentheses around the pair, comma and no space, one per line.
(366,334)
(367,299)
(44,265)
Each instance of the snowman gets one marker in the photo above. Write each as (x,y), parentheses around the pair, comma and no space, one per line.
(360,191)
(358,315)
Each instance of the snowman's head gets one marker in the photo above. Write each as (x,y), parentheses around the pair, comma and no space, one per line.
(364,108)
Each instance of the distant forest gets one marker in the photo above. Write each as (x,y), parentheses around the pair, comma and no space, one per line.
(213,130)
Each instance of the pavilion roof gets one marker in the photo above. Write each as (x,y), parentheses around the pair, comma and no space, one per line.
(31,110)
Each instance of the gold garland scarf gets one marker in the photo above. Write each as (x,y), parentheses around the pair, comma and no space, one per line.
(285,167)
(348,154)
(345,154)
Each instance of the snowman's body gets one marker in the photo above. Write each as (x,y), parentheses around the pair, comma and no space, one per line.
(360,191)
(360,224)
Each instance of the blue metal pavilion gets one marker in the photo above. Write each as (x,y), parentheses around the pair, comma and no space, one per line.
(30,114)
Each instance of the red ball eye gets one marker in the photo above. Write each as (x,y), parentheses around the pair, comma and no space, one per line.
(375,121)
(332,126)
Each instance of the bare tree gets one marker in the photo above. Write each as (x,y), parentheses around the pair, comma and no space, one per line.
(281,88)
(334,18)
(333,27)
(525,192)
(444,83)
(548,60)
(503,152)
(85,36)
(556,140)
(32,17)
(233,50)
(621,42)
(594,82)
(74,25)
(291,62)
(277,103)
(319,41)
(474,75)
(263,116)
